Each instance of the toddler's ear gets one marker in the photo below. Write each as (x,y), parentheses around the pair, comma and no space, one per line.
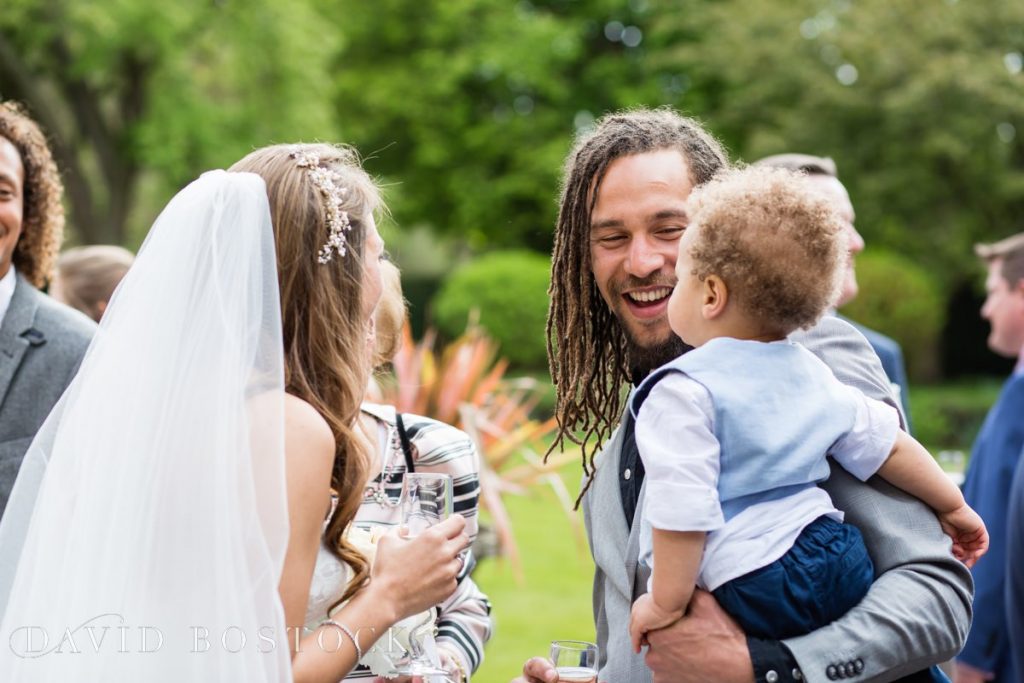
(715,296)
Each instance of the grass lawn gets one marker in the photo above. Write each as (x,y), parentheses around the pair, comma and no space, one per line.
(552,602)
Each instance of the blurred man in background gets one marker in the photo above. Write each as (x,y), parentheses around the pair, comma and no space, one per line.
(987,654)
(86,277)
(821,173)
(41,341)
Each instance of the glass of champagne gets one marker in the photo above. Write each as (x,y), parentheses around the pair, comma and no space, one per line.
(426,501)
(575,661)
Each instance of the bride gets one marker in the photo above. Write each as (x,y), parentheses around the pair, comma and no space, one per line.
(167,519)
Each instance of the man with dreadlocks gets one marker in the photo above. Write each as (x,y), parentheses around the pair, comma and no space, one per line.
(622,213)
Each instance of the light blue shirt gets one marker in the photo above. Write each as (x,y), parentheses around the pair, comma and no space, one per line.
(734,439)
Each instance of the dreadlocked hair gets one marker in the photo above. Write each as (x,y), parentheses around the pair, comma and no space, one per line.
(588,352)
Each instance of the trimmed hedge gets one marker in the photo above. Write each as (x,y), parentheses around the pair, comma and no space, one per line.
(900,299)
(508,289)
(949,416)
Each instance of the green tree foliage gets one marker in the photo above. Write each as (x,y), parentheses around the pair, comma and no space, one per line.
(507,290)
(469,106)
(141,96)
(917,100)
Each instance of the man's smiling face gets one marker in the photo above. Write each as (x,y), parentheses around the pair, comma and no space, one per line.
(12,179)
(634,233)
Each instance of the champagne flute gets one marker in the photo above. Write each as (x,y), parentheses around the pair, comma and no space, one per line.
(575,661)
(426,501)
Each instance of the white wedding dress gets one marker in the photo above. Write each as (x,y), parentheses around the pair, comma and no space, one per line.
(330,579)
(145,536)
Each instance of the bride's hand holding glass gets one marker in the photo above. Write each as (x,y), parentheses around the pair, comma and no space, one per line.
(408,576)
(411,575)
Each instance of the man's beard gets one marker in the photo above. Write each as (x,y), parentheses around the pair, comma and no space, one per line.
(644,359)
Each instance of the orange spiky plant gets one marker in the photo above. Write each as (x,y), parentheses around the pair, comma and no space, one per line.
(465,385)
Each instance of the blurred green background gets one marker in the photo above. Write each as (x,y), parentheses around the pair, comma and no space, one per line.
(465,110)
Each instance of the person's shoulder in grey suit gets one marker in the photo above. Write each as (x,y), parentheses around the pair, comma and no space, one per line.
(42,343)
(918,611)
(890,354)
(70,330)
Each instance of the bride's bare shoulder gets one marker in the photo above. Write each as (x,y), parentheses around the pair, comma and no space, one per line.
(306,431)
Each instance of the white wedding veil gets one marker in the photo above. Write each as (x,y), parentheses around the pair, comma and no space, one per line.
(145,536)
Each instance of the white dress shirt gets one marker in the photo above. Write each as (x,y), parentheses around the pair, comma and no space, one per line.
(7,283)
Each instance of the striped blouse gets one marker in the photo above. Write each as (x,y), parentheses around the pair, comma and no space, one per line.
(464,622)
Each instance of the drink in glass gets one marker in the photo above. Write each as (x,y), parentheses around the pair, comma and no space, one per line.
(575,661)
(426,501)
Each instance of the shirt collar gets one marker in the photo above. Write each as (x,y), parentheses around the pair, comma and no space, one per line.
(7,283)
(382,413)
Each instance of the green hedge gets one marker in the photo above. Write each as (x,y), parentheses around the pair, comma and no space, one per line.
(949,416)
(508,289)
(900,299)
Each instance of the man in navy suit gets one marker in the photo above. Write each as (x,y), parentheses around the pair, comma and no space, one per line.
(821,172)
(1015,572)
(988,652)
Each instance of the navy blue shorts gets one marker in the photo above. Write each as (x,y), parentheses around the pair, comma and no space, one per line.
(823,576)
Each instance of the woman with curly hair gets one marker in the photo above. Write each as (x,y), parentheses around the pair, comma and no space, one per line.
(42,342)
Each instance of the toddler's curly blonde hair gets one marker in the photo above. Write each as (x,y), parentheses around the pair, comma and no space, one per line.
(778,246)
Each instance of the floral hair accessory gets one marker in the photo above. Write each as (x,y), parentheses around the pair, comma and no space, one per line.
(328,182)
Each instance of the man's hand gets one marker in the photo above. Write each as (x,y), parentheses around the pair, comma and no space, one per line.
(538,670)
(705,645)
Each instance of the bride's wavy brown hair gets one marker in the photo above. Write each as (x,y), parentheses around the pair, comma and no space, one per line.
(325,333)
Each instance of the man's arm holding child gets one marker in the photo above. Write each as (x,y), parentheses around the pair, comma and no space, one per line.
(917,612)
(911,468)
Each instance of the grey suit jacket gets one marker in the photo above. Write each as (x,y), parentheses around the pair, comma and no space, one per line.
(41,345)
(917,612)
